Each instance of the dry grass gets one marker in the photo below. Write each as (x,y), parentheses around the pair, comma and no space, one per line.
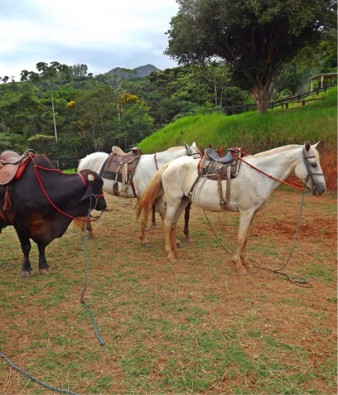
(192,327)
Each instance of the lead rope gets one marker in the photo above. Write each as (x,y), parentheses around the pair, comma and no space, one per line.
(298,280)
(102,343)
(50,387)
(43,384)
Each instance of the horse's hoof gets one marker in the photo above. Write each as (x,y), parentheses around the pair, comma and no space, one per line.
(189,239)
(241,271)
(26,274)
(44,271)
(146,245)
(179,244)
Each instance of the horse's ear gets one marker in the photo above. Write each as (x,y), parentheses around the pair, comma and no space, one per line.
(315,145)
(307,146)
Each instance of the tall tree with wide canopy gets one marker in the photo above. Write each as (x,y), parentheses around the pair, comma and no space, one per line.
(255,36)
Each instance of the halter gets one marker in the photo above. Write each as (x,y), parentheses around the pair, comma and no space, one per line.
(93,198)
(310,173)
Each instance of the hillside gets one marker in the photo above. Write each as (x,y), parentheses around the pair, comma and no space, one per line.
(316,121)
(139,72)
(253,132)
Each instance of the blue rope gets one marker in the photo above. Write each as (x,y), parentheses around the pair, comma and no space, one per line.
(50,387)
(86,283)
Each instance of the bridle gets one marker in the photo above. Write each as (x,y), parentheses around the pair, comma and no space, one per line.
(310,174)
(309,166)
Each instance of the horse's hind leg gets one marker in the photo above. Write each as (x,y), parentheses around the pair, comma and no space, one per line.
(186,223)
(159,206)
(43,265)
(173,214)
(170,241)
(153,216)
(240,257)
(142,236)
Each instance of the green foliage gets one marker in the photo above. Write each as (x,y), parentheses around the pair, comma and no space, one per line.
(94,113)
(135,124)
(42,144)
(251,131)
(256,37)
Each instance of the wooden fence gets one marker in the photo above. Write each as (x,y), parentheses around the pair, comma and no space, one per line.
(284,103)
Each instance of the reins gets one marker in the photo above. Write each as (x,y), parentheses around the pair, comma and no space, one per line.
(298,280)
(287,183)
(37,167)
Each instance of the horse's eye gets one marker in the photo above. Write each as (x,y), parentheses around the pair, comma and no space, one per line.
(314,164)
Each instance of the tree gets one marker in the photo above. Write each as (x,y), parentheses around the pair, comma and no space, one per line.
(54,76)
(94,114)
(134,125)
(255,36)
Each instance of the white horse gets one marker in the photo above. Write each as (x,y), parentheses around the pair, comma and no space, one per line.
(146,167)
(258,177)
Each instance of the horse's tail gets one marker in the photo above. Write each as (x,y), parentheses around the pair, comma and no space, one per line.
(153,191)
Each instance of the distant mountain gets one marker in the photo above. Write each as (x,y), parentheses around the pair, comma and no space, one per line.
(138,72)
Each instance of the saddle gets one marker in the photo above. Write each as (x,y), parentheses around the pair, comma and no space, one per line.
(12,165)
(214,166)
(218,168)
(120,166)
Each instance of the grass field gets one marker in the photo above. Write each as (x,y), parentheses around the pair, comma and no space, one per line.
(191,327)
(316,121)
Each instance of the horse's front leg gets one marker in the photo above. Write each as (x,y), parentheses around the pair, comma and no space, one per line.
(240,257)
(25,248)
(43,265)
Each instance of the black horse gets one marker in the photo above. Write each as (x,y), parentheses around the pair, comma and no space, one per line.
(41,201)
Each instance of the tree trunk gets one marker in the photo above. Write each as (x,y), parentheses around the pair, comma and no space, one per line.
(261,96)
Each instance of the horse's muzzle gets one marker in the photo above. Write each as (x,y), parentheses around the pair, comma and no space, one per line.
(319,189)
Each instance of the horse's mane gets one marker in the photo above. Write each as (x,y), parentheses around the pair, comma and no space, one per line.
(177,148)
(276,150)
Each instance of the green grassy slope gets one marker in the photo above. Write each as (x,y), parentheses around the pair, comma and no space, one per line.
(316,121)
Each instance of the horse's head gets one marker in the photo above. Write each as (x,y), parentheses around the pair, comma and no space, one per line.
(193,150)
(94,192)
(310,171)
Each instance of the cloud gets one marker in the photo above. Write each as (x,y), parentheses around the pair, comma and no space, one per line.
(102,34)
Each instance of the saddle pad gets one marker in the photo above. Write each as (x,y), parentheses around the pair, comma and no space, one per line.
(116,166)
(213,169)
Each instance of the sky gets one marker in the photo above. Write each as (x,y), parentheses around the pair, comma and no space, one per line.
(103,34)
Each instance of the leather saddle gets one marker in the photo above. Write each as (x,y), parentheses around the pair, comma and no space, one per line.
(10,163)
(213,166)
(120,166)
